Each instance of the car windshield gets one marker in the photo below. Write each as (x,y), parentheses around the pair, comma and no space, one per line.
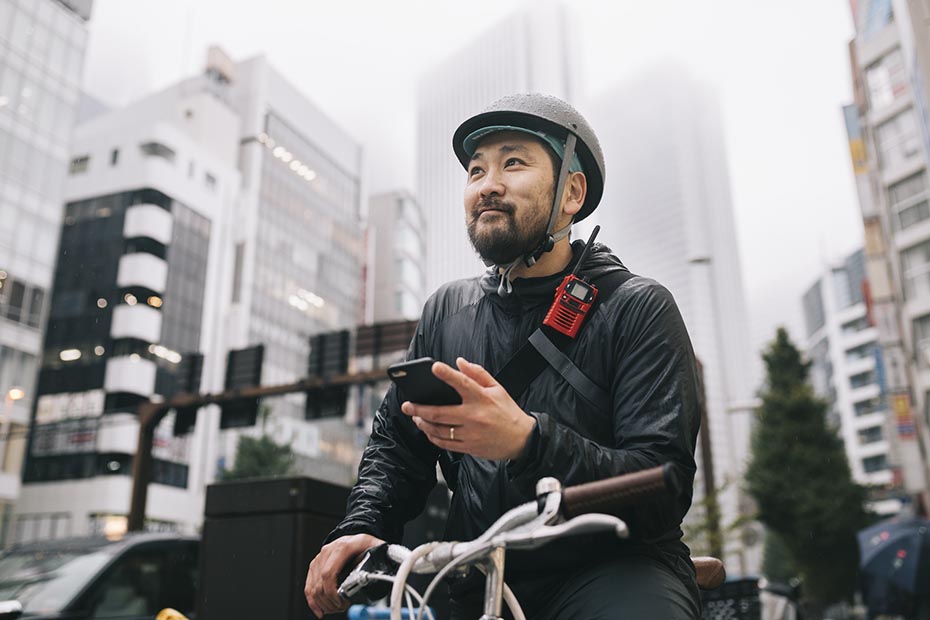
(44,581)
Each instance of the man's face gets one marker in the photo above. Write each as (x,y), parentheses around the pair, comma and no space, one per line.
(508,195)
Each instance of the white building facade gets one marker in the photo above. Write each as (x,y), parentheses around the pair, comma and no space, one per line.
(888,132)
(668,215)
(139,275)
(225,213)
(847,371)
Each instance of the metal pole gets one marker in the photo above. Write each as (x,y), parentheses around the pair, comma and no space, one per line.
(150,414)
(711,506)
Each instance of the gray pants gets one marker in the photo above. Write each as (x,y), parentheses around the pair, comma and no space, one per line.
(629,588)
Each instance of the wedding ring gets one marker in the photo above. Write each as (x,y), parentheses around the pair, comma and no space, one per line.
(451,433)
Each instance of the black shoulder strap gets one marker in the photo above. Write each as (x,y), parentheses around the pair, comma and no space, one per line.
(546,347)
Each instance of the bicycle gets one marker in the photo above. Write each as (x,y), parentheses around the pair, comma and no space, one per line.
(556,512)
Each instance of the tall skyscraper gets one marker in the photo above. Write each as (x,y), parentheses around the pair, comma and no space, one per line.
(667,213)
(847,371)
(42,46)
(887,127)
(529,51)
(224,213)
(397,249)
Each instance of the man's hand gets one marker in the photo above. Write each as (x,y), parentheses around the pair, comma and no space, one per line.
(323,574)
(488,424)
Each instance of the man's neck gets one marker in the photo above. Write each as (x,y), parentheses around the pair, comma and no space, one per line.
(549,263)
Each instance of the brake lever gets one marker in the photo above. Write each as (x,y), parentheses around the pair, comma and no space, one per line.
(375,561)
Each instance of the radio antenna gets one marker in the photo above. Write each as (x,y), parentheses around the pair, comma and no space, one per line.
(584,252)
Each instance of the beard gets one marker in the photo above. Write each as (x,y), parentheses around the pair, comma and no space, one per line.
(505,237)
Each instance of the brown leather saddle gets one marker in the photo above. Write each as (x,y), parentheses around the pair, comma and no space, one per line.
(710,572)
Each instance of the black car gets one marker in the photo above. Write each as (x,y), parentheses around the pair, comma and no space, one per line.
(132,578)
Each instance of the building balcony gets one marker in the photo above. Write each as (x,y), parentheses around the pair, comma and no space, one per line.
(143,270)
(863,451)
(131,374)
(118,432)
(140,321)
(148,220)
(855,367)
(903,169)
(852,339)
(877,44)
(868,420)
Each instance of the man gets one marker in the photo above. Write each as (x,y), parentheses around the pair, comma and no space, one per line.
(534,166)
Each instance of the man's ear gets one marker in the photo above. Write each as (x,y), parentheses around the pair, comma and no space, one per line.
(575,191)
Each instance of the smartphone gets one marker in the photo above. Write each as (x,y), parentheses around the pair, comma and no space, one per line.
(416,382)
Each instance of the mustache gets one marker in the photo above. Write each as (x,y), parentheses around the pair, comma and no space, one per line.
(496,204)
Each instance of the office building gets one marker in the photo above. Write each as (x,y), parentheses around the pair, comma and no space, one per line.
(887,131)
(847,371)
(668,214)
(42,45)
(396,268)
(225,211)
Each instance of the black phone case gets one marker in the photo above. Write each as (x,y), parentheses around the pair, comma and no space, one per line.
(416,382)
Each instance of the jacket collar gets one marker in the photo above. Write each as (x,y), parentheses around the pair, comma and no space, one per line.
(531,292)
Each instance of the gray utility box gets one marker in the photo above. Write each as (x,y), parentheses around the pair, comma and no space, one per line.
(258,539)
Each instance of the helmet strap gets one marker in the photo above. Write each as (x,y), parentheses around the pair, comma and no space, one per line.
(505,287)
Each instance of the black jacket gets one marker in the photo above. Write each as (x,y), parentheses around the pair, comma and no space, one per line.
(634,345)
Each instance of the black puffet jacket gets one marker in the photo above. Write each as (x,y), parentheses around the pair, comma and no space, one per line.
(634,345)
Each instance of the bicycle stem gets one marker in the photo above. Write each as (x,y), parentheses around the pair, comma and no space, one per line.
(494,584)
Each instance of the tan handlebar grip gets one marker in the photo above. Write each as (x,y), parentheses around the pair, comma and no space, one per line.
(613,494)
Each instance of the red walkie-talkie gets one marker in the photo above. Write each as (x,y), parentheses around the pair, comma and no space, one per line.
(573,298)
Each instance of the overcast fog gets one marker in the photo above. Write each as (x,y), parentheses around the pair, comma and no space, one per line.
(781,70)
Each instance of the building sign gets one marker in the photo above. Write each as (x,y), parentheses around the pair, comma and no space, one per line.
(901,405)
(74,405)
(68,437)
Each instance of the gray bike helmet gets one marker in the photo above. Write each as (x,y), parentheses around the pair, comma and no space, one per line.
(553,117)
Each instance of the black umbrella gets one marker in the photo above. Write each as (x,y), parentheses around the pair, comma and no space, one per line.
(895,563)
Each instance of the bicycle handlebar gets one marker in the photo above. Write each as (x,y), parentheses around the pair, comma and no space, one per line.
(613,494)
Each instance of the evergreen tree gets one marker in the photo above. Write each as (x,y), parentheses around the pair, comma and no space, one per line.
(800,479)
(260,458)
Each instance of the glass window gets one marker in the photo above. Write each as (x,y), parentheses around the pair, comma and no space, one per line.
(114,157)
(157,149)
(886,80)
(869,435)
(916,267)
(79,164)
(898,140)
(875,463)
(14,309)
(903,191)
(36,299)
(148,579)
(45,582)
(862,379)
(878,14)
(855,326)
(865,407)
(860,352)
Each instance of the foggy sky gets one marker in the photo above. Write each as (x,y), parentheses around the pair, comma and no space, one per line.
(781,69)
